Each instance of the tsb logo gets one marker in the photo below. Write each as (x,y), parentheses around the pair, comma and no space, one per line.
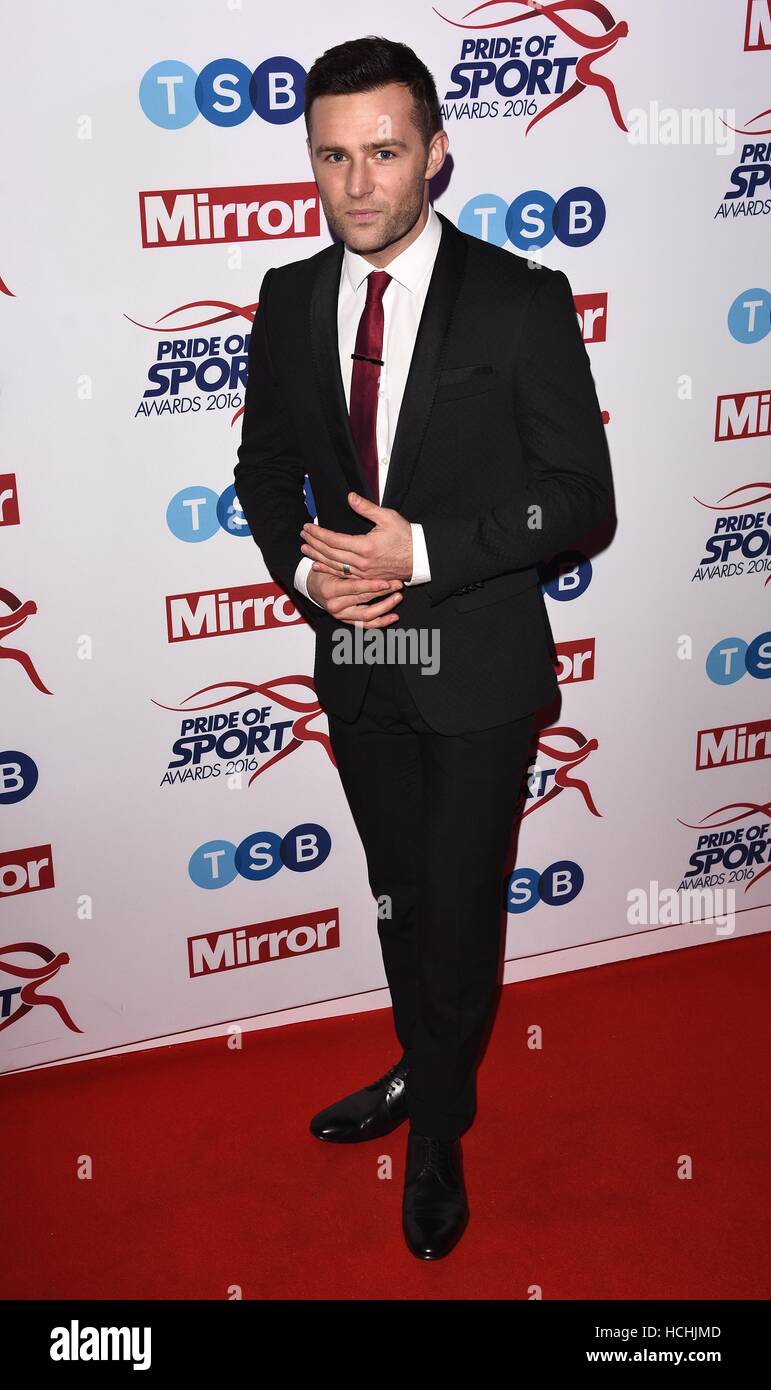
(567,576)
(557,885)
(535,218)
(749,317)
(732,658)
(225,92)
(260,856)
(18,776)
(197,513)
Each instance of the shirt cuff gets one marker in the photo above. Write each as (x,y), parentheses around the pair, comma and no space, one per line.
(301,576)
(421,570)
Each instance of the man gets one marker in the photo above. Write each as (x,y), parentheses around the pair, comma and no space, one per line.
(436,391)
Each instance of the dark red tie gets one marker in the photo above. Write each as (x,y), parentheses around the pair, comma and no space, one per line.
(365,379)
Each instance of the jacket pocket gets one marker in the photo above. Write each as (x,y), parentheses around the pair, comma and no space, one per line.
(455,382)
(493,590)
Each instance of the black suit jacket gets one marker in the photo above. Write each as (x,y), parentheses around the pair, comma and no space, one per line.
(500,453)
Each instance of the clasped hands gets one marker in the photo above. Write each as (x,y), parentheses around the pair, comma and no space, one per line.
(378,563)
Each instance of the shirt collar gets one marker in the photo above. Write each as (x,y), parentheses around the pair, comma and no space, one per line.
(410,267)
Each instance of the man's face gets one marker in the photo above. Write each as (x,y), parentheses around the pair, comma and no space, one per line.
(367,154)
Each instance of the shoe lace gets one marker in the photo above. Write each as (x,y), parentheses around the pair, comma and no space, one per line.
(435,1158)
(397,1072)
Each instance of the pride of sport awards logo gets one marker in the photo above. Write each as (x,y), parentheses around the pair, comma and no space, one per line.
(547,57)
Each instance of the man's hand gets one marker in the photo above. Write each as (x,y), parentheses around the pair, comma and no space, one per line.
(346,599)
(385,552)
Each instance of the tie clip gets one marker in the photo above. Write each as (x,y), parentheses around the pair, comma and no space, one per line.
(362,357)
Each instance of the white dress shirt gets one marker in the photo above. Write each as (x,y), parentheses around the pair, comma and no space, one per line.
(403,302)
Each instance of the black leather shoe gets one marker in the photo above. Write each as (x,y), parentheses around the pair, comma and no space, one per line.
(366,1114)
(435,1207)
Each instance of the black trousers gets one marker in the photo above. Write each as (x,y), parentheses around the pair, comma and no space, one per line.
(434,813)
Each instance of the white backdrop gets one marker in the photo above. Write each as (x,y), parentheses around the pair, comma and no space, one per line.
(117,511)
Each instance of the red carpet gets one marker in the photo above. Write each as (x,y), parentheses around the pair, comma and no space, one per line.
(205,1175)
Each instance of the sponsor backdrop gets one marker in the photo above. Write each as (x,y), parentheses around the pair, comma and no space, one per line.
(177,853)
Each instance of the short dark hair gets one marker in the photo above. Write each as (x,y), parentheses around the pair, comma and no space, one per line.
(361,65)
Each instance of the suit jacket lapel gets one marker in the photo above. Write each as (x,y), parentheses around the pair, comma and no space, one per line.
(326,359)
(428,353)
(427,358)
